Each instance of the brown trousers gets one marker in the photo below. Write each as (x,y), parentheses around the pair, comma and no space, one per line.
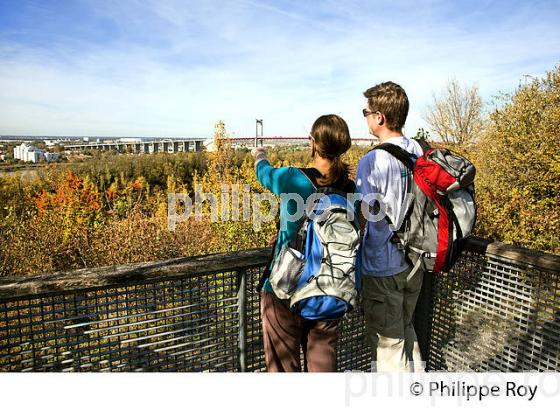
(284,332)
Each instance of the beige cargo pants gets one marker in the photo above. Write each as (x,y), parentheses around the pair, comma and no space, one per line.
(389,304)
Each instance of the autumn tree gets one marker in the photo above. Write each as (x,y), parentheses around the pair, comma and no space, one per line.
(456,114)
(518,168)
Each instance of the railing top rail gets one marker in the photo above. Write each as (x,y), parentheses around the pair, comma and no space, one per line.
(123,275)
(537,259)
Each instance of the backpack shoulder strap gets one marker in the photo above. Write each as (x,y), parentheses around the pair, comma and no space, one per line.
(425,145)
(309,173)
(397,152)
(405,158)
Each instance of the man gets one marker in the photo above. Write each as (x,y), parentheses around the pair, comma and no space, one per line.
(389,294)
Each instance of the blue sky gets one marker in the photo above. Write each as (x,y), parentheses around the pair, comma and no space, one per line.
(173,68)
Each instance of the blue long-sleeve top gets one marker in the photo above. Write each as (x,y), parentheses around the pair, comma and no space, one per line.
(285,180)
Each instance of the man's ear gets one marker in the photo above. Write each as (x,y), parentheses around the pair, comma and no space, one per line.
(380,119)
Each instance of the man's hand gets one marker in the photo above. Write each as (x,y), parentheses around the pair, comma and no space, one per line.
(259,153)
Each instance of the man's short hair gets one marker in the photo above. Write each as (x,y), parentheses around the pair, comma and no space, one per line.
(391,100)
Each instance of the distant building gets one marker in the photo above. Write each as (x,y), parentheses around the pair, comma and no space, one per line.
(51,156)
(29,153)
(364,142)
(52,143)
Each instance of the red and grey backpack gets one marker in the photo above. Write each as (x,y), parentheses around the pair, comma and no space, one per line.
(442,212)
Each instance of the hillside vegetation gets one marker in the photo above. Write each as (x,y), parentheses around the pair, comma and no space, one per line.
(114,210)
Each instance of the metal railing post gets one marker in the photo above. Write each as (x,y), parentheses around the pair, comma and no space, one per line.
(423,316)
(242,311)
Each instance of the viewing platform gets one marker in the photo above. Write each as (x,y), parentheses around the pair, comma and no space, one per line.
(497,310)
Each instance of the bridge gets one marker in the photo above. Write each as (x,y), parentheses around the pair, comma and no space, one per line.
(143,147)
(497,310)
(195,144)
(287,140)
(248,142)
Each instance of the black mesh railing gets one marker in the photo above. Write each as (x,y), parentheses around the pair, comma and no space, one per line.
(142,327)
(171,316)
(497,310)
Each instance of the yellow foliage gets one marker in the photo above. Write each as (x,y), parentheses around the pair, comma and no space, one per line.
(518,168)
(103,215)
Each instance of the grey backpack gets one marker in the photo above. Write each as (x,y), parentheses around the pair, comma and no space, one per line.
(315,274)
(442,212)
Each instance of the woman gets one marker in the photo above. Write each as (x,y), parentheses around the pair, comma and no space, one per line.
(284,331)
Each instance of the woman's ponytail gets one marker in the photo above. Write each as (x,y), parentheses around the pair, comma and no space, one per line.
(339,171)
(332,139)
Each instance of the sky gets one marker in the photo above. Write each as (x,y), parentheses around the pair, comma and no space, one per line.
(174,68)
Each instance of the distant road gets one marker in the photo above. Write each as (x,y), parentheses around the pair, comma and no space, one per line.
(21,167)
(27,171)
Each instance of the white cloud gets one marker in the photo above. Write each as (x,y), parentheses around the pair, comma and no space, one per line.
(174,69)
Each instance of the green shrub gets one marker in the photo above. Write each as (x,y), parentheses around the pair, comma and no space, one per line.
(518,168)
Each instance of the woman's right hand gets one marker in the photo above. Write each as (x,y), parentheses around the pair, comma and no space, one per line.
(259,153)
